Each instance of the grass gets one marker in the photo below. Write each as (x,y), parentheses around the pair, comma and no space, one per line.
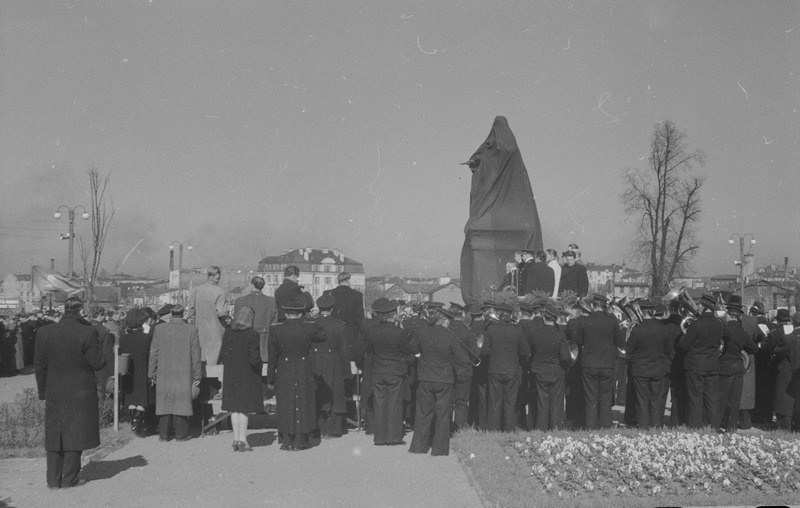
(22,427)
(504,476)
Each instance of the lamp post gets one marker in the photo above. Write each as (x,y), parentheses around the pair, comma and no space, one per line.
(71,235)
(180,258)
(740,262)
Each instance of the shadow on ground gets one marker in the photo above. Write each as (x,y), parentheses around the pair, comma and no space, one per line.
(262,438)
(105,469)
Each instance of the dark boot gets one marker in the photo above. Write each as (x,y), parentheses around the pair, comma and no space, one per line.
(137,422)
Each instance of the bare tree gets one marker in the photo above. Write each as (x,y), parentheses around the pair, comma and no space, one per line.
(102,211)
(664,199)
(85,251)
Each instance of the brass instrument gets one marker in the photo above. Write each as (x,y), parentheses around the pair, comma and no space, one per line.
(686,305)
(474,359)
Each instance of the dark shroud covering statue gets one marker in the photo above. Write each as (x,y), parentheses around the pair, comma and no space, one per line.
(502,212)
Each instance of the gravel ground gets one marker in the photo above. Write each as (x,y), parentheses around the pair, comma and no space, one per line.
(345,472)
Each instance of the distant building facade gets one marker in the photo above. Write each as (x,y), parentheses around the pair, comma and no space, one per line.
(319,269)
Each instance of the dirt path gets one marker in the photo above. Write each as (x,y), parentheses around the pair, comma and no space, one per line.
(345,472)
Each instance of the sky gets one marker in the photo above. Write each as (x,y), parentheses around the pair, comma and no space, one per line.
(250,128)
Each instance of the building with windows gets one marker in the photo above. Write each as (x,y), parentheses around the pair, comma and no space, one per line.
(319,269)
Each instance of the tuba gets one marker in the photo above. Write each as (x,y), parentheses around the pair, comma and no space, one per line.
(686,305)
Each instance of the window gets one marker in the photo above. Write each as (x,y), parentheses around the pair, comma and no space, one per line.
(327,280)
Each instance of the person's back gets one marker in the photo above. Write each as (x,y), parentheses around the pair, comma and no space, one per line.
(206,306)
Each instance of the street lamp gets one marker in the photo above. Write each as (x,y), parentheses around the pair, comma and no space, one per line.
(71,235)
(180,257)
(742,240)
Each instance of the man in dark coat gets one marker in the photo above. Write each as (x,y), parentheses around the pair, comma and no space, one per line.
(348,308)
(438,350)
(462,367)
(650,349)
(731,365)
(264,310)
(331,367)
(291,292)
(388,346)
(549,355)
(599,337)
(479,402)
(107,341)
(748,400)
(506,347)
(66,357)
(539,276)
(175,369)
(525,266)
(783,343)
(573,275)
(702,343)
(291,376)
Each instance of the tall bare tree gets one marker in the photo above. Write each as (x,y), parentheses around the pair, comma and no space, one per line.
(664,200)
(102,212)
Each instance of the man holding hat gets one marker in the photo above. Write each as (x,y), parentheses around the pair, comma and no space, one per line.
(598,336)
(650,349)
(331,367)
(388,346)
(291,376)
(66,356)
(439,351)
(702,344)
(505,346)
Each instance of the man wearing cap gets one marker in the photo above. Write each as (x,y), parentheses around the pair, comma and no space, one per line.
(388,346)
(702,343)
(139,395)
(573,382)
(291,292)
(65,357)
(206,305)
(291,376)
(265,312)
(573,276)
(599,337)
(164,314)
(783,342)
(649,351)
(731,365)
(175,369)
(549,356)
(522,273)
(462,369)
(439,350)
(331,367)
(506,349)
(480,373)
(748,400)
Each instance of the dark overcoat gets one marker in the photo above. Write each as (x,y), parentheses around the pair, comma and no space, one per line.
(330,364)
(175,365)
(787,358)
(349,308)
(136,385)
(650,348)
(242,389)
(748,400)
(290,370)
(66,357)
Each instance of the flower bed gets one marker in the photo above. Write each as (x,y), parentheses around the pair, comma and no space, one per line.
(667,462)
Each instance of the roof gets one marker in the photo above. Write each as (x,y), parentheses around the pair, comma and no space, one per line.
(23,276)
(413,289)
(315,257)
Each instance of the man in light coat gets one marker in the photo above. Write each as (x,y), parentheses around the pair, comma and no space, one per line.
(206,306)
(176,370)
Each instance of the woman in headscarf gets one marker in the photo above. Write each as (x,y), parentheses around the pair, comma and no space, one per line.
(135,385)
(242,360)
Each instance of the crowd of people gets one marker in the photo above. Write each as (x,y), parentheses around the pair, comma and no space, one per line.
(522,359)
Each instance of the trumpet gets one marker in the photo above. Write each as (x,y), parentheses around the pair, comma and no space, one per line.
(686,305)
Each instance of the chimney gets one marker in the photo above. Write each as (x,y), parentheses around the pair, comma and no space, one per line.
(786,267)
(52,263)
